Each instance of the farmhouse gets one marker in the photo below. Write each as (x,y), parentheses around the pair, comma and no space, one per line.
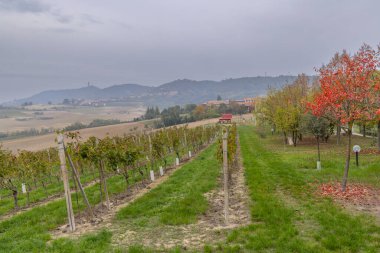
(225,119)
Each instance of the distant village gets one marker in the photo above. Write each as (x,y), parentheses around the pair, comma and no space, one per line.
(248,102)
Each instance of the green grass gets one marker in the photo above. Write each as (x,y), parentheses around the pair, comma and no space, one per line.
(52,189)
(37,195)
(180,199)
(29,231)
(286,215)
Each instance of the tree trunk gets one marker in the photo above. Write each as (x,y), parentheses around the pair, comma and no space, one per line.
(15,198)
(104,185)
(319,152)
(338,130)
(28,189)
(364,131)
(76,191)
(378,135)
(100,183)
(44,186)
(344,182)
(126,177)
(285,138)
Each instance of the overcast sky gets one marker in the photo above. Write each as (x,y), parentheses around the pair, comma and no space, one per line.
(52,44)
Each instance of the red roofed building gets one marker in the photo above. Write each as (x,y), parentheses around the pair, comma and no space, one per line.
(226,119)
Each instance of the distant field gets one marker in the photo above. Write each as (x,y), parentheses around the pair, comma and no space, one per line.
(37,116)
(45,141)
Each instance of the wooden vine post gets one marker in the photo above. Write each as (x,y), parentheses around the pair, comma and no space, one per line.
(65,178)
(77,179)
(225,174)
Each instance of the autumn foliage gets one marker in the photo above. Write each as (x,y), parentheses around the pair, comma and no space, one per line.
(349,87)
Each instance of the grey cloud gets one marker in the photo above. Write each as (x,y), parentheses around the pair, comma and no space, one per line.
(90,19)
(152,42)
(24,6)
(60,30)
(35,7)
(61,18)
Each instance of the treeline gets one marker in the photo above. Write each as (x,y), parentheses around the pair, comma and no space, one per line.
(285,110)
(189,113)
(25,133)
(347,92)
(94,123)
(75,126)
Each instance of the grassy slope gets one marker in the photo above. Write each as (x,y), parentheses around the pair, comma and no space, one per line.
(286,216)
(177,201)
(180,199)
(29,231)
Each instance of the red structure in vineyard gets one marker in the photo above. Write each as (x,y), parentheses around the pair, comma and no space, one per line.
(226,119)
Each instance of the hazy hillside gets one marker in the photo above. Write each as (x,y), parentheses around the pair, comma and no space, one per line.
(176,92)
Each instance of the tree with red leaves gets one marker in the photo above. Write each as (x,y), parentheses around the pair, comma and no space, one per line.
(348,92)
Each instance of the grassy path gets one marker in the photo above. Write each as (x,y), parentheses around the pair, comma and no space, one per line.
(286,216)
(180,199)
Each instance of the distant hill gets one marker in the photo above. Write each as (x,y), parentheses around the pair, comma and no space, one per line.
(177,92)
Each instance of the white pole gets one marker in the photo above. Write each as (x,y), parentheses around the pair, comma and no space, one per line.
(152,175)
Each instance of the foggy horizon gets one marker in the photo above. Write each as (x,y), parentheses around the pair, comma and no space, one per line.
(51,45)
